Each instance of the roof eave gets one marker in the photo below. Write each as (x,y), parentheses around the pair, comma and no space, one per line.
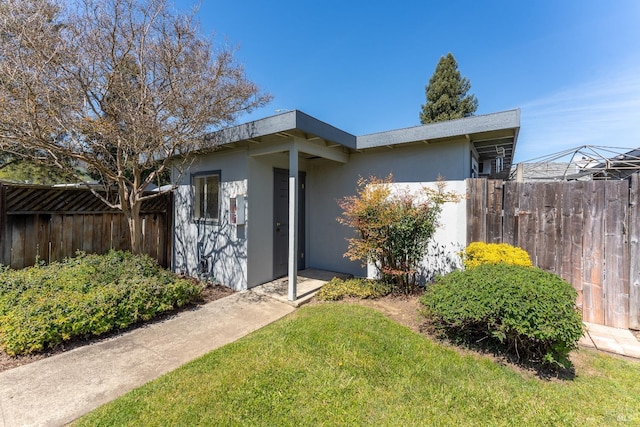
(282,123)
(505,120)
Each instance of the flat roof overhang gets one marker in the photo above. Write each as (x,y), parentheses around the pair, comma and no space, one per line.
(275,134)
(491,135)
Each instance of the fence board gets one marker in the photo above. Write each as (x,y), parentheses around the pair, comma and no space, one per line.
(31,239)
(494,211)
(18,227)
(78,232)
(571,236)
(54,233)
(57,246)
(634,253)
(616,293)
(593,272)
(163,232)
(527,221)
(122,240)
(587,232)
(5,241)
(546,239)
(476,210)
(105,233)
(87,233)
(67,235)
(510,217)
(43,236)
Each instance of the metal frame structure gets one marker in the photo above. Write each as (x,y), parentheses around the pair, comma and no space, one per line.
(584,163)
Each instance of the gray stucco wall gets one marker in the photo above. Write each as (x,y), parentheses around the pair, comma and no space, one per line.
(242,256)
(328,182)
(260,222)
(222,245)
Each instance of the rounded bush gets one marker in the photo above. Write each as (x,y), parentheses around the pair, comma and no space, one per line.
(527,312)
(479,253)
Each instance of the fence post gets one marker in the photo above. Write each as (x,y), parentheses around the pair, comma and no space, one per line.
(5,243)
(476,210)
(634,252)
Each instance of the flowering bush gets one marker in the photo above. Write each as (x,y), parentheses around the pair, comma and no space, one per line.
(393,228)
(479,253)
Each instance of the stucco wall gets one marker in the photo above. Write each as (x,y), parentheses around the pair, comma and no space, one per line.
(222,245)
(415,164)
(260,222)
(242,256)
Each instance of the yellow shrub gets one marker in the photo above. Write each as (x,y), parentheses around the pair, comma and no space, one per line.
(478,253)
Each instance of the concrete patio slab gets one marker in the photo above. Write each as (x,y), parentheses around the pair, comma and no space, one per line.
(309,283)
(613,340)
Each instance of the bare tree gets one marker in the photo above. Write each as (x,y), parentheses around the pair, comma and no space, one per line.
(120,87)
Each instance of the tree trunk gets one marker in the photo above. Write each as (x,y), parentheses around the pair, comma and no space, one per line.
(136,232)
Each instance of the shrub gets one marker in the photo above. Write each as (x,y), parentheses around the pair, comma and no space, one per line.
(337,289)
(478,253)
(527,312)
(393,228)
(43,306)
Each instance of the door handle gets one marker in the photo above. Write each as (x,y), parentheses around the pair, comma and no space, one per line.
(278,224)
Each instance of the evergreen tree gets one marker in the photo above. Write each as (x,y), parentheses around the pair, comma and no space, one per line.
(446,92)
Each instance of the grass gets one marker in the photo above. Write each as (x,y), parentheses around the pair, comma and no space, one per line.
(339,364)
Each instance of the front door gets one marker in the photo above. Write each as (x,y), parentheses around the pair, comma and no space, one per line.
(281,221)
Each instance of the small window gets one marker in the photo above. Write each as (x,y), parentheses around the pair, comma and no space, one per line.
(207,190)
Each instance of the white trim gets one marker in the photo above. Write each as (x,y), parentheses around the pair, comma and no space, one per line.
(293,221)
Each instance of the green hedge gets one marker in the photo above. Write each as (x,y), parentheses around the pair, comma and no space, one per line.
(42,306)
(337,289)
(527,312)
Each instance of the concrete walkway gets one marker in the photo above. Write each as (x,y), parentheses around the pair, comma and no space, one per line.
(59,389)
(611,340)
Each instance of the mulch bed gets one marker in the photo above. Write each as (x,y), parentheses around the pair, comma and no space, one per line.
(209,293)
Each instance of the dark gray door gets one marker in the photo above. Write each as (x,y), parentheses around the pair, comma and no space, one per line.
(281,221)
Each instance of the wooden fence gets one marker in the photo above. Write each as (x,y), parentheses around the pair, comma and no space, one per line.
(587,232)
(51,223)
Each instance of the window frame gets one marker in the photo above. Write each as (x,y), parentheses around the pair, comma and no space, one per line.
(196,205)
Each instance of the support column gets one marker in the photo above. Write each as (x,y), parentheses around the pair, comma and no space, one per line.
(293,221)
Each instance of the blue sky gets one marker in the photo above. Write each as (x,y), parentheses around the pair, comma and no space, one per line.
(573,67)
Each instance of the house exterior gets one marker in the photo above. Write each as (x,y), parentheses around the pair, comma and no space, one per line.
(263,204)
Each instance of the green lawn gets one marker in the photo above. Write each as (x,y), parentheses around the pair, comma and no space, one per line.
(339,364)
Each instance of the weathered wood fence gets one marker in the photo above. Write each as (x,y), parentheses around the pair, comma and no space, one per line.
(587,232)
(51,223)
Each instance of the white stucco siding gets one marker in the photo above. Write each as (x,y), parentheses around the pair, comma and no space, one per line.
(451,234)
(414,164)
(221,245)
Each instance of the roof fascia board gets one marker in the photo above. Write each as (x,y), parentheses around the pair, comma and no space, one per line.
(285,122)
(467,126)
(255,129)
(308,124)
